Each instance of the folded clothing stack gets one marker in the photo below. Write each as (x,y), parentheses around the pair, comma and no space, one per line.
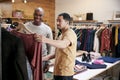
(109,59)
(79,68)
(91,66)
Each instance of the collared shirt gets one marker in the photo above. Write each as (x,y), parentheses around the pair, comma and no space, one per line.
(65,58)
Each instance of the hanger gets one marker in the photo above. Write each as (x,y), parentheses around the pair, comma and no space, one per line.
(22,29)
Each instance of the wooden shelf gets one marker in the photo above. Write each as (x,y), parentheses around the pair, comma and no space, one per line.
(114,21)
(19,18)
(14,19)
(84,21)
(23,20)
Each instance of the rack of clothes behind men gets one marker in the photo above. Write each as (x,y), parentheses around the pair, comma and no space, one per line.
(101,38)
(32,51)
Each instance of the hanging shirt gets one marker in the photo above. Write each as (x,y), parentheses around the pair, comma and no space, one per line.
(13,57)
(96,41)
(33,51)
(105,40)
(44,30)
(116,35)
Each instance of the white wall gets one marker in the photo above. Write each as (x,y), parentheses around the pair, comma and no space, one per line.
(102,9)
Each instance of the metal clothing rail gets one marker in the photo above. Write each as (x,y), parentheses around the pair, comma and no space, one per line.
(114,21)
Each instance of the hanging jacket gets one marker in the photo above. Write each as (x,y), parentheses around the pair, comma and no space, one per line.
(13,57)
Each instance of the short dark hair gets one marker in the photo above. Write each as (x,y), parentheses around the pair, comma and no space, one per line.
(66,16)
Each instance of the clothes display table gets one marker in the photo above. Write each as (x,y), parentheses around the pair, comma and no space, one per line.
(90,73)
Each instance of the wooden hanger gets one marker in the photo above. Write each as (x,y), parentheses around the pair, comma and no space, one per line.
(22,29)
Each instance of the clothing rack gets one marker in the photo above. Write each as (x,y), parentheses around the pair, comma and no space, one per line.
(91,27)
(95,23)
(84,22)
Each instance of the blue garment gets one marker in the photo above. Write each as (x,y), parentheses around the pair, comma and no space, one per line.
(92,39)
(87,42)
(110,59)
(119,34)
(118,45)
(92,66)
(63,77)
(78,45)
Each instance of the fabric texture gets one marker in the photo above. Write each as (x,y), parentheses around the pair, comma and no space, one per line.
(92,66)
(116,35)
(33,51)
(63,77)
(44,30)
(13,58)
(110,59)
(105,40)
(96,41)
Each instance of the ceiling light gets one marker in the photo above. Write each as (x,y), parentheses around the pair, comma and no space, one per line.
(13,1)
(25,1)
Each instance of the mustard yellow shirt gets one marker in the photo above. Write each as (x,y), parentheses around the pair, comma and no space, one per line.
(116,35)
(65,58)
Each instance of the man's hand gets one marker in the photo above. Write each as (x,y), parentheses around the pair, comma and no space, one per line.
(39,38)
(45,58)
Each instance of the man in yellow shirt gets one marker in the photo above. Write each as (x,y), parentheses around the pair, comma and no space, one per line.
(65,49)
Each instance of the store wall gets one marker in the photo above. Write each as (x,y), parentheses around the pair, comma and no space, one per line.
(5,9)
(102,9)
(28,8)
(47,5)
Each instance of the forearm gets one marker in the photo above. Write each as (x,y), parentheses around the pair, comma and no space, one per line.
(52,56)
(48,57)
(56,43)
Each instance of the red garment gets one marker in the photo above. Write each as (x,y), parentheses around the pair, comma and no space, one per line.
(105,40)
(33,51)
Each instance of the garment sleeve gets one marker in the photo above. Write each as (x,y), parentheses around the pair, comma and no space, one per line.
(71,37)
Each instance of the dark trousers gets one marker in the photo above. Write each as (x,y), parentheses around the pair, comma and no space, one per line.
(63,77)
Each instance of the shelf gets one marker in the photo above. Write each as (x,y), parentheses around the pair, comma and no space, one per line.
(14,19)
(23,20)
(114,21)
(19,18)
(84,21)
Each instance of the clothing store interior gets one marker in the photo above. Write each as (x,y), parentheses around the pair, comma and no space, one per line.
(60,40)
